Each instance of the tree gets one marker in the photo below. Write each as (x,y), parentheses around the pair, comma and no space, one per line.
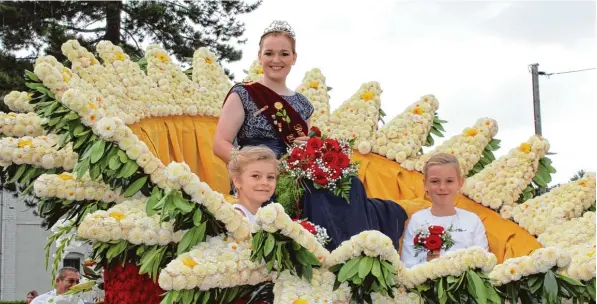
(36,28)
(578,175)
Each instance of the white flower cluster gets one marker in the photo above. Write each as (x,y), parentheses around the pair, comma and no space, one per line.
(55,78)
(292,289)
(358,116)
(21,124)
(403,136)
(104,79)
(314,88)
(255,72)
(179,175)
(19,101)
(580,230)
(272,218)
(401,296)
(557,206)
(212,80)
(501,182)
(540,261)
(453,263)
(371,243)
(41,151)
(67,186)
(582,265)
(219,262)
(468,146)
(128,221)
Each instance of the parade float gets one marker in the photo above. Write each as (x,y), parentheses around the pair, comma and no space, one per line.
(119,154)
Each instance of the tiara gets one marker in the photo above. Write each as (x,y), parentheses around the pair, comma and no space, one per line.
(279,26)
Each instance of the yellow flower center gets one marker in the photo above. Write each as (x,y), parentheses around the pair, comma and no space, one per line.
(65,176)
(314,84)
(582,183)
(118,216)
(300,301)
(94,61)
(162,57)
(208,60)
(591,254)
(24,143)
(418,110)
(92,105)
(260,70)
(189,262)
(120,56)
(278,105)
(471,132)
(526,148)
(30,95)
(367,96)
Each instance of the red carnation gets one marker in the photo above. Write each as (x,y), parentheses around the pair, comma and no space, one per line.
(336,172)
(320,177)
(315,132)
(343,160)
(310,227)
(417,239)
(296,155)
(433,242)
(332,145)
(437,230)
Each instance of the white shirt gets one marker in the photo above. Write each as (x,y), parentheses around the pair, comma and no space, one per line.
(473,234)
(250,216)
(44,298)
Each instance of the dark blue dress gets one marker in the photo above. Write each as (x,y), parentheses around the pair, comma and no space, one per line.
(341,219)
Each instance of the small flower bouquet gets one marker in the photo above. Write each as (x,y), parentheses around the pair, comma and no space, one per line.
(320,233)
(432,238)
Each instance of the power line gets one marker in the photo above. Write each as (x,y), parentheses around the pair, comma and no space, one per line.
(566,72)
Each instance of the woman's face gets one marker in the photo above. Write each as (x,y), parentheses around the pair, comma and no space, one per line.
(257,182)
(276,57)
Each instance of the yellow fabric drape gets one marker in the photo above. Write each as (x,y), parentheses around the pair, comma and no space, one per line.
(190,139)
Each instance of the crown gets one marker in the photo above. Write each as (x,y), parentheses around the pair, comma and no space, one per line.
(279,26)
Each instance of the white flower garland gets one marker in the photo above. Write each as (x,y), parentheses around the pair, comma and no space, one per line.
(540,261)
(501,182)
(468,146)
(557,206)
(582,265)
(19,101)
(402,137)
(41,151)
(358,116)
(453,263)
(212,80)
(580,230)
(219,262)
(67,186)
(128,221)
(21,124)
(292,289)
(314,88)
(371,243)
(401,296)
(272,218)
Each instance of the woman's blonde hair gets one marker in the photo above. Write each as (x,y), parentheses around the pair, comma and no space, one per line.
(278,33)
(247,155)
(439,159)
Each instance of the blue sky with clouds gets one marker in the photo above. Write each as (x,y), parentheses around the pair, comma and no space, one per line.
(473,56)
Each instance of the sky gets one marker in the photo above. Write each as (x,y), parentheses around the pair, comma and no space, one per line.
(473,56)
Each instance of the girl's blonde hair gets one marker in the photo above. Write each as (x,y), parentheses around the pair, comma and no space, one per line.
(247,155)
(278,33)
(442,159)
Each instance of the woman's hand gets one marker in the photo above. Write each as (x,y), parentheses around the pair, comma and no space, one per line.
(431,255)
(301,140)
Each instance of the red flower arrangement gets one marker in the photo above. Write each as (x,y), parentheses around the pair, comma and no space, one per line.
(320,233)
(433,238)
(124,285)
(324,161)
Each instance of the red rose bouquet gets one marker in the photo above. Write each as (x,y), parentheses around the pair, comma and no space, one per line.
(432,238)
(323,161)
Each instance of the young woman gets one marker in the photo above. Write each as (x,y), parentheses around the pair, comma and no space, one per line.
(268,113)
(442,183)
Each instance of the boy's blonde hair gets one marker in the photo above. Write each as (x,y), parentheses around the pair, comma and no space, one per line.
(442,159)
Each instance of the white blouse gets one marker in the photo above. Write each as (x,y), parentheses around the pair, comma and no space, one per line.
(473,234)
(250,216)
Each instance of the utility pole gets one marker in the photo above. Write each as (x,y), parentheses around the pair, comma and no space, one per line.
(536,102)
